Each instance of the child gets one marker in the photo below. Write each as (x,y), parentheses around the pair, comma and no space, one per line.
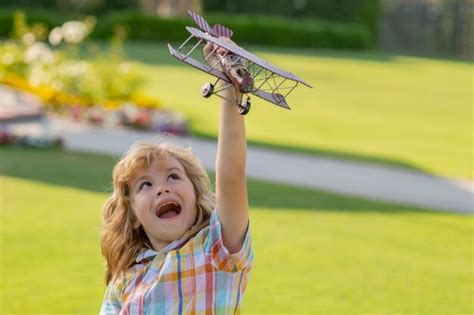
(170,246)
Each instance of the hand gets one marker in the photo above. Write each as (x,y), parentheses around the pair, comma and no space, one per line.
(230,64)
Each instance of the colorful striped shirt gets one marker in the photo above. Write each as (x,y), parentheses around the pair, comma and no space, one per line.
(194,275)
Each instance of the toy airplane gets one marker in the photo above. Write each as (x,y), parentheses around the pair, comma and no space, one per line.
(211,50)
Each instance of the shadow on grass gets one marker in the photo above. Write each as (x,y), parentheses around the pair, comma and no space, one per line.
(56,167)
(93,173)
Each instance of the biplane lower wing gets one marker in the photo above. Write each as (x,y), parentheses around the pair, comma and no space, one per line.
(193,62)
(274,98)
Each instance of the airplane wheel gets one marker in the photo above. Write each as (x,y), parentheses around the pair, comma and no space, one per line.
(207,89)
(244,108)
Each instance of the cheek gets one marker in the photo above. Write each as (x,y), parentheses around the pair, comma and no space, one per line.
(138,204)
(192,193)
(135,211)
(191,196)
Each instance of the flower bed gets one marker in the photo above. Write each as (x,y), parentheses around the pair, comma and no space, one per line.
(103,90)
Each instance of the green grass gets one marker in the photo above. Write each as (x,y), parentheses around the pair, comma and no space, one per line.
(405,111)
(315,252)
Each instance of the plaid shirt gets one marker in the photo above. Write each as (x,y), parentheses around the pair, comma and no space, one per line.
(188,276)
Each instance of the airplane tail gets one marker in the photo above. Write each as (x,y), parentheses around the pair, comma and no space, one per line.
(217,30)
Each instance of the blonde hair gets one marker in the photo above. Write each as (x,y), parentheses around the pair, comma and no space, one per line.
(121,241)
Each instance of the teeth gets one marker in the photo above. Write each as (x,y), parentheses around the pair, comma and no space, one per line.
(166,204)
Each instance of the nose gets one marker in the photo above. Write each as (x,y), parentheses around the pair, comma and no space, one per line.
(161,191)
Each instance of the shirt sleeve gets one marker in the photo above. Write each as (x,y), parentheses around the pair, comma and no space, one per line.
(221,258)
(112,303)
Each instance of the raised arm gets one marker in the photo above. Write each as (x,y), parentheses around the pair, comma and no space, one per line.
(231,185)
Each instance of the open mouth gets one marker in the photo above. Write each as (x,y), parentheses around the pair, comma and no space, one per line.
(168,210)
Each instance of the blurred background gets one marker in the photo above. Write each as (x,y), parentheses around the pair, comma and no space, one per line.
(434,27)
(372,210)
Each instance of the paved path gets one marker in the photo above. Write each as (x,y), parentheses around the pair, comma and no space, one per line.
(349,178)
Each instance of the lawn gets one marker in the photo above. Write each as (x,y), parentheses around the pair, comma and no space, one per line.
(405,111)
(315,252)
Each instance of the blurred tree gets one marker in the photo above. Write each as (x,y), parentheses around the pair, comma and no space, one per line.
(365,12)
(340,10)
(47,4)
(75,6)
(463,43)
(169,8)
(428,27)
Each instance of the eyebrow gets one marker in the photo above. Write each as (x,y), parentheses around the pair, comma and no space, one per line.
(173,168)
(139,179)
(169,169)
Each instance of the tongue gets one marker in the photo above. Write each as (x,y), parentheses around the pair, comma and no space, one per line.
(169,214)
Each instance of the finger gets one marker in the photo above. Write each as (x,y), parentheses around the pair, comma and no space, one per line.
(222,51)
(208,48)
(234,77)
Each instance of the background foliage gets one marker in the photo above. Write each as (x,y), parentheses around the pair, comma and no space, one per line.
(74,6)
(265,30)
(361,11)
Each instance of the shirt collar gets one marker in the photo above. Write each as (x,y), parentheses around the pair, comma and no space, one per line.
(150,253)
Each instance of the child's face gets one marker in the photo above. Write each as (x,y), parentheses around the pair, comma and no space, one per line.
(164,201)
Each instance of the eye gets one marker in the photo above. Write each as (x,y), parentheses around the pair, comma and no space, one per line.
(145,184)
(173,176)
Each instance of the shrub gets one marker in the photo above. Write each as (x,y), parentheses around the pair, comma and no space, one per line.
(248,29)
(365,12)
(265,30)
(93,7)
(143,27)
(28,56)
(281,31)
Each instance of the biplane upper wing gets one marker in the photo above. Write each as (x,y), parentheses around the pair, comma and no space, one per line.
(275,98)
(268,84)
(199,65)
(233,48)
